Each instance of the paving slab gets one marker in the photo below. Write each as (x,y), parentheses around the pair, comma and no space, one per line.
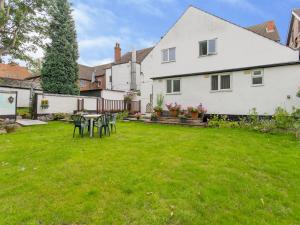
(30,122)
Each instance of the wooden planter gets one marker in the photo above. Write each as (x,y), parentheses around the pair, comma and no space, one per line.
(173,113)
(194,115)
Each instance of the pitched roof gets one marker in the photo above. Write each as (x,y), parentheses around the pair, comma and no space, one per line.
(8,82)
(261,29)
(140,55)
(297,12)
(85,72)
(13,71)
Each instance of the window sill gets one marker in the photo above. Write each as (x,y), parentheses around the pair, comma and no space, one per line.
(222,90)
(203,56)
(176,93)
(257,85)
(168,62)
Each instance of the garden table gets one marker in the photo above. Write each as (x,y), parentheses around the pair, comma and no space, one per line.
(91,118)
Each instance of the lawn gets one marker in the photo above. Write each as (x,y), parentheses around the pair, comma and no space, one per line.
(148,174)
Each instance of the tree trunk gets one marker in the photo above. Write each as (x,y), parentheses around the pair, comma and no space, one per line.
(2,4)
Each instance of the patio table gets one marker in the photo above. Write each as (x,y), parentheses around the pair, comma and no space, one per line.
(91,118)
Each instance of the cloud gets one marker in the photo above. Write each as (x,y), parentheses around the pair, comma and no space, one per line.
(95,62)
(98,42)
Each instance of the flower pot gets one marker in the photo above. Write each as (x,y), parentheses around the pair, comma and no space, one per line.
(194,115)
(173,113)
(158,113)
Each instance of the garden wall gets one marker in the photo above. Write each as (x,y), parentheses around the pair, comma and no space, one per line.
(24,95)
(8,104)
(63,103)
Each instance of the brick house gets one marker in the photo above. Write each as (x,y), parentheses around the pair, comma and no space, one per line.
(14,71)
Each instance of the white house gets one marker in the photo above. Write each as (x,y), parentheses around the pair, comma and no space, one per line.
(115,79)
(229,69)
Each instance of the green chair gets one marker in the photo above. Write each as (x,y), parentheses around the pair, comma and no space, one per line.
(112,122)
(79,122)
(102,124)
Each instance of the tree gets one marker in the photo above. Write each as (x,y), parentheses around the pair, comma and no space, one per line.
(23,26)
(60,68)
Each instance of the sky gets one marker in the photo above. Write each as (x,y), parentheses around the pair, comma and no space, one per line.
(138,24)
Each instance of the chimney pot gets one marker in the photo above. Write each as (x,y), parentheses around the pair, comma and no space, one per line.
(117,53)
(270,27)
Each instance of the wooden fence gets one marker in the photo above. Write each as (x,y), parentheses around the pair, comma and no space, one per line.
(105,105)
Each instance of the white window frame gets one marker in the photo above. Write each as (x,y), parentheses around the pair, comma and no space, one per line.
(207,45)
(168,53)
(219,82)
(172,87)
(257,76)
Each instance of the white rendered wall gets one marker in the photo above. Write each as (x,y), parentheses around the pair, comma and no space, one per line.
(23,95)
(236,48)
(7,108)
(65,103)
(279,83)
(112,95)
(121,77)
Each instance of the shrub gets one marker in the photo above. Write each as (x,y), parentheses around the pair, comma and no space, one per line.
(283,119)
(58,116)
(159,102)
(122,115)
(154,117)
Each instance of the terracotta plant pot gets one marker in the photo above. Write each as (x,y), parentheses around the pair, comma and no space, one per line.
(194,115)
(173,113)
(158,113)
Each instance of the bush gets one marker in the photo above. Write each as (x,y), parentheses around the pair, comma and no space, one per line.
(283,119)
(58,116)
(122,115)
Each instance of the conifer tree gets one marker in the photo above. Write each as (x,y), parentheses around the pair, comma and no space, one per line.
(60,68)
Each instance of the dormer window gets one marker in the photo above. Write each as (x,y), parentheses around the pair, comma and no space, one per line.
(169,55)
(208,47)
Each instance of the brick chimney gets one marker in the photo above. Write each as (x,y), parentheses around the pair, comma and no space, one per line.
(270,27)
(117,53)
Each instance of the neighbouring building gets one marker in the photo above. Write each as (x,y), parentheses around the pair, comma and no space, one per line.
(14,71)
(293,40)
(122,75)
(228,68)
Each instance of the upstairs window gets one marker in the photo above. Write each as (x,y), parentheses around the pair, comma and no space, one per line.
(257,77)
(221,82)
(173,86)
(169,55)
(208,47)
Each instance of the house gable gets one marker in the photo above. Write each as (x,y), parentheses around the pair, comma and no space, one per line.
(236,47)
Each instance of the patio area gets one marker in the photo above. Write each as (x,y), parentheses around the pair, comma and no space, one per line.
(148,174)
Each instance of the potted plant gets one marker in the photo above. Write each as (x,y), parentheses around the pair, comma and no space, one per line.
(154,117)
(173,109)
(201,111)
(44,104)
(159,103)
(194,112)
(138,116)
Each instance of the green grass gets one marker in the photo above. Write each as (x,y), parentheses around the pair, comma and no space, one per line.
(148,174)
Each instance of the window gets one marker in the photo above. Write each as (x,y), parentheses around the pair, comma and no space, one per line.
(173,86)
(110,79)
(257,78)
(221,82)
(82,83)
(169,55)
(208,47)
